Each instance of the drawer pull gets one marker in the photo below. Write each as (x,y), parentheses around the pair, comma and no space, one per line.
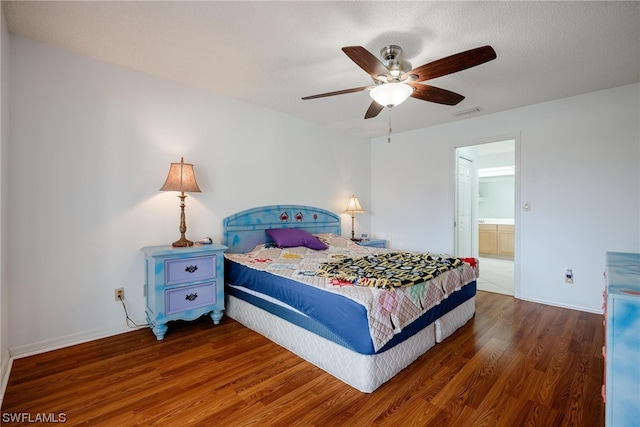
(191,297)
(191,268)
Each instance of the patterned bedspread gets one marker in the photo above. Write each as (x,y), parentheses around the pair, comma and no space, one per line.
(388,270)
(392,303)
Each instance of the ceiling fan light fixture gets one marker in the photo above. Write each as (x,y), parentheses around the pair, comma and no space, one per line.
(397,67)
(391,94)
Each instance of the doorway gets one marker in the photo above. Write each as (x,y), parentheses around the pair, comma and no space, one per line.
(485,211)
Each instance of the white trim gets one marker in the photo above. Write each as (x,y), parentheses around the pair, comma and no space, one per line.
(5,370)
(65,341)
(567,306)
(50,345)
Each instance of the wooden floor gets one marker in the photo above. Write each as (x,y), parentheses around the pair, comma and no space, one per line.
(515,364)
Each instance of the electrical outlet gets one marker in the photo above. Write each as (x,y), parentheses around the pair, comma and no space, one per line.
(119,294)
(568,276)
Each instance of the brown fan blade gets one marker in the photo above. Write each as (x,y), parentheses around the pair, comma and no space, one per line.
(454,63)
(374,110)
(435,94)
(366,60)
(339,92)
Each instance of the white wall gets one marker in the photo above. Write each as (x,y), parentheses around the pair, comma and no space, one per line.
(4,142)
(90,146)
(579,168)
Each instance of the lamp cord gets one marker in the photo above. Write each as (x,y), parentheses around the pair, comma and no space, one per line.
(128,319)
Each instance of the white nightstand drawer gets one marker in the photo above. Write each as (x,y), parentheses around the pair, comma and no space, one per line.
(190,297)
(190,269)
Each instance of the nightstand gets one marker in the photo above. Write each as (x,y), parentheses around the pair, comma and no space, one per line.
(183,284)
(373,243)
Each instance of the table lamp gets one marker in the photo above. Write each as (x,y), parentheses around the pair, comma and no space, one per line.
(181,178)
(353,208)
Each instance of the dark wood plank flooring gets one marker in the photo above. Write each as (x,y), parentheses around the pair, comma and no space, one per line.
(515,364)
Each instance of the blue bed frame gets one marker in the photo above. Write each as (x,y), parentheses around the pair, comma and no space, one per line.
(244,230)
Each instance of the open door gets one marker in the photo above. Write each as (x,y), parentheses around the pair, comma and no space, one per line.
(465,241)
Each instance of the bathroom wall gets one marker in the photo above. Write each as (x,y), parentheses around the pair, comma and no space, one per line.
(497,197)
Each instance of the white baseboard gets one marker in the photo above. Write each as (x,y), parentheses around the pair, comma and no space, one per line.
(65,341)
(555,304)
(5,370)
(49,345)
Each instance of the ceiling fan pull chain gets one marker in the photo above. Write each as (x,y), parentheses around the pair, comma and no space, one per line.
(389,134)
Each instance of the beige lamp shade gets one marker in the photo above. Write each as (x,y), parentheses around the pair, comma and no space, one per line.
(181,178)
(354,206)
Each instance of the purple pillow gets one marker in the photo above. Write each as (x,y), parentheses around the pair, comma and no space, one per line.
(292,237)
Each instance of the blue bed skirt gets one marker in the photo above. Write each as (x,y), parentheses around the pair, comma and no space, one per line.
(332,316)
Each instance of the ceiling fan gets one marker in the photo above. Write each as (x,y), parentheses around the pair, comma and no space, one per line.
(394,79)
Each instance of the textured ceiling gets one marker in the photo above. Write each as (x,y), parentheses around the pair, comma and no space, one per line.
(273,53)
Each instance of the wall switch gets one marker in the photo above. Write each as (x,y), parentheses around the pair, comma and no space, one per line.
(568,276)
(526,206)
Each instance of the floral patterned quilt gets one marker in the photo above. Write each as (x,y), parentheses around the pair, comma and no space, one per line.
(391,305)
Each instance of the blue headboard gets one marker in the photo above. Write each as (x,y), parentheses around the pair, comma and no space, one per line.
(244,230)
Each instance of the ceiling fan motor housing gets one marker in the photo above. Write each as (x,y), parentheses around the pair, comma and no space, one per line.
(394,61)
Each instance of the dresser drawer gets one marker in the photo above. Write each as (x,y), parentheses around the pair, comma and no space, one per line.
(190,297)
(190,269)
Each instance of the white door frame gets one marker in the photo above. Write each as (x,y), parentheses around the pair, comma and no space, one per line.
(517,208)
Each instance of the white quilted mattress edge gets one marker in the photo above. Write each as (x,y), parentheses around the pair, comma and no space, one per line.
(453,320)
(363,372)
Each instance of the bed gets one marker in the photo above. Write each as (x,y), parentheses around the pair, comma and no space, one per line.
(360,329)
